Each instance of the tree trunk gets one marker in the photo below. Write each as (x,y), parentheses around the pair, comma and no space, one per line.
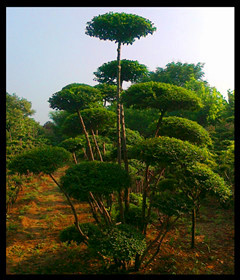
(193,227)
(159,123)
(120,202)
(118,104)
(125,158)
(86,135)
(73,209)
(144,202)
(74,157)
(96,144)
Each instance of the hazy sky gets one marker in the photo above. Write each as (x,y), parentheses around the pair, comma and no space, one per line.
(47,48)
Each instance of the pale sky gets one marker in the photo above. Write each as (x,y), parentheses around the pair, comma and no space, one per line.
(47,48)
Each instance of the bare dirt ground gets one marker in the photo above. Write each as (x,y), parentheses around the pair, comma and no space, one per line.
(41,212)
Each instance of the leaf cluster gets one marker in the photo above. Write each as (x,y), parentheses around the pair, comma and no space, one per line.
(45,159)
(169,152)
(185,130)
(75,97)
(162,96)
(96,177)
(131,71)
(120,242)
(119,27)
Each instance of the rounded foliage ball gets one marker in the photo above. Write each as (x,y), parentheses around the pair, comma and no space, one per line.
(45,159)
(96,177)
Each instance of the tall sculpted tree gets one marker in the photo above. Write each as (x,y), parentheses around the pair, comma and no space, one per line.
(123,29)
(75,97)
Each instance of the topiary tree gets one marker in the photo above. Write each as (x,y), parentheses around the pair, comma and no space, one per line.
(131,71)
(72,145)
(183,129)
(123,29)
(87,180)
(95,119)
(75,97)
(187,180)
(108,91)
(198,180)
(45,160)
(164,97)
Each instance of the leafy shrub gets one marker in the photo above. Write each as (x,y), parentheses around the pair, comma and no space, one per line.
(97,177)
(72,144)
(184,129)
(45,159)
(172,203)
(162,96)
(71,233)
(135,198)
(169,151)
(120,242)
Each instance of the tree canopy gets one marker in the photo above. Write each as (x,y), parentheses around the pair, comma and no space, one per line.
(75,97)
(119,27)
(131,71)
(162,96)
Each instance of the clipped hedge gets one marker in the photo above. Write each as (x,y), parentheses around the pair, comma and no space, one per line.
(72,234)
(162,96)
(169,152)
(96,177)
(183,129)
(45,159)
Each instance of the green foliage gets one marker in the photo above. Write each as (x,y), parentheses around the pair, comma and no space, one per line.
(13,186)
(225,162)
(172,203)
(46,159)
(201,178)
(176,73)
(185,130)
(71,233)
(136,198)
(121,243)
(94,118)
(108,91)
(75,97)
(167,151)
(139,120)
(131,71)
(73,144)
(132,137)
(162,96)
(119,27)
(22,132)
(212,100)
(96,177)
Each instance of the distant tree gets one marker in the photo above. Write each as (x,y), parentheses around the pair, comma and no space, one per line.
(22,131)
(212,100)
(176,73)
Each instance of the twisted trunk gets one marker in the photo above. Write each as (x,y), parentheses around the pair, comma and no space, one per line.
(86,135)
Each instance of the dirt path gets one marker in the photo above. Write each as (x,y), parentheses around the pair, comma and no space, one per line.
(41,212)
(35,221)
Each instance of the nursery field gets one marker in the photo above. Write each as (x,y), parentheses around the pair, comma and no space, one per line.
(41,212)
